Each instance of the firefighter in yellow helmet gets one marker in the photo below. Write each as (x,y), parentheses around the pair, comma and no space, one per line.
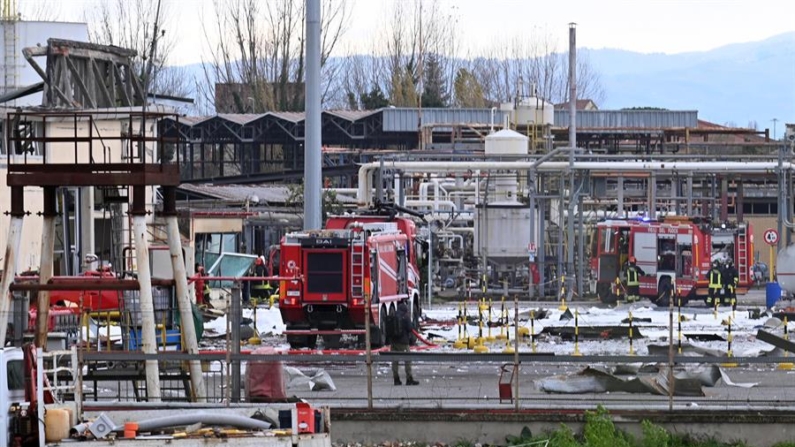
(633,280)
(715,277)
(261,290)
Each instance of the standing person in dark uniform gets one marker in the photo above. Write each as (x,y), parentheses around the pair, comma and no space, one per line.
(260,290)
(400,335)
(633,280)
(730,279)
(715,284)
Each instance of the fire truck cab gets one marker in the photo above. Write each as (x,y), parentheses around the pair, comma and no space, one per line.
(674,253)
(353,257)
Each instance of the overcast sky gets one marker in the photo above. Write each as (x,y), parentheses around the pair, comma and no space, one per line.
(647,26)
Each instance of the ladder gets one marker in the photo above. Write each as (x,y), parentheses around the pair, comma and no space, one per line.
(9,52)
(357,264)
(742,254)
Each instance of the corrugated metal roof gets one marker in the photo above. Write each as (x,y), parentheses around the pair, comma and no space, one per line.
(293,117)
(238,193)
(352,115)
(241,118)
(407,119)
(629,119)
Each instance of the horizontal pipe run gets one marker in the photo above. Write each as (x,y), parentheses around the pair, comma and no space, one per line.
(733,167)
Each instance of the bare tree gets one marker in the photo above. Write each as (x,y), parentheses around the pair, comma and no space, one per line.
(142,26)
(259,57)
(40,10)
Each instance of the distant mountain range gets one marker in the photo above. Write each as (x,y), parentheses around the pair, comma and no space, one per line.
(736,84)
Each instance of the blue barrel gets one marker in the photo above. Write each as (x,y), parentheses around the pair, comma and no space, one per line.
(773,294)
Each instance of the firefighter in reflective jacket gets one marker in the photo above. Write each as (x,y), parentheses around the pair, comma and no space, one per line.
(633,280)
(730,278)
(260,290)
(715,284)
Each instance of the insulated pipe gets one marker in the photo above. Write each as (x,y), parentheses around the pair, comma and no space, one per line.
(185,308)
(364,194)
(9,271)
(436,204)
(148,337)
(180,420)
(45,274)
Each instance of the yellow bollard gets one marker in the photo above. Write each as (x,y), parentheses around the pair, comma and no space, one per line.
(786,365)
(533,330)
(563,305)
(480,348)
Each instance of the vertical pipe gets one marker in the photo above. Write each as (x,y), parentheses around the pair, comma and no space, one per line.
(561,222)
(148,336)
(368,349)
(9,272)
(542,255)
(620,193)
(531,192)
(782,197)
(45,274)
(690,194)
(190,341)
(572,147)
(670,355)
(580,249)
(515,347)
(236,317)
(313,174)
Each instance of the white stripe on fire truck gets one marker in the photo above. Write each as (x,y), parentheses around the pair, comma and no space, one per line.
(387,269)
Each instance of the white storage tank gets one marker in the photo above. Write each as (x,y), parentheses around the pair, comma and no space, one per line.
(503,232)
(785,269)
(534,111)
(506,142)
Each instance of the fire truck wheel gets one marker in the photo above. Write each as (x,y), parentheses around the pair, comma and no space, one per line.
(665,284)
(605,293)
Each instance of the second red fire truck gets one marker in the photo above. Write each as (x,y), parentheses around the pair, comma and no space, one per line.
(676,252)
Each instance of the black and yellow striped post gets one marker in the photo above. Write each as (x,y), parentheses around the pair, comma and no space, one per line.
(786,365)
(679,323)
(460,343)
(729,339)
(631,348)
(563,305)
(576,332)
(533,330)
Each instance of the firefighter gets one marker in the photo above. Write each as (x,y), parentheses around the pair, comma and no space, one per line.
(715,283)
(633,280)
(260,290)
(399,336)
(201,286)
(730,279)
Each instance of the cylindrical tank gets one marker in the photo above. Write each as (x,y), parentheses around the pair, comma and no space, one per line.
(785,269)
(506,142)
(534,111)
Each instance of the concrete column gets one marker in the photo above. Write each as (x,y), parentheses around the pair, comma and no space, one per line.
(620,199)
(9,272)
(148,336)
(740,202)
(46,267)
(724,199)
(86,223)
(652,196)
(189,336)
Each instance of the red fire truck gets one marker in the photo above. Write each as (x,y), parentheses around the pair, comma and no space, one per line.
(352,257)
(674,251)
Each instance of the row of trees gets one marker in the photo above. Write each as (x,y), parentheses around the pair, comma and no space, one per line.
(415,59)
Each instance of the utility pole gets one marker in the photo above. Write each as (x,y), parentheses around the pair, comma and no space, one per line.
(570,270)
(313,172)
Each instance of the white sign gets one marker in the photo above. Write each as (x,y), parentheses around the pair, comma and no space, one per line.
(771,236)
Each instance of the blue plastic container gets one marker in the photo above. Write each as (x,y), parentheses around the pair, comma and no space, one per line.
(773,294)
